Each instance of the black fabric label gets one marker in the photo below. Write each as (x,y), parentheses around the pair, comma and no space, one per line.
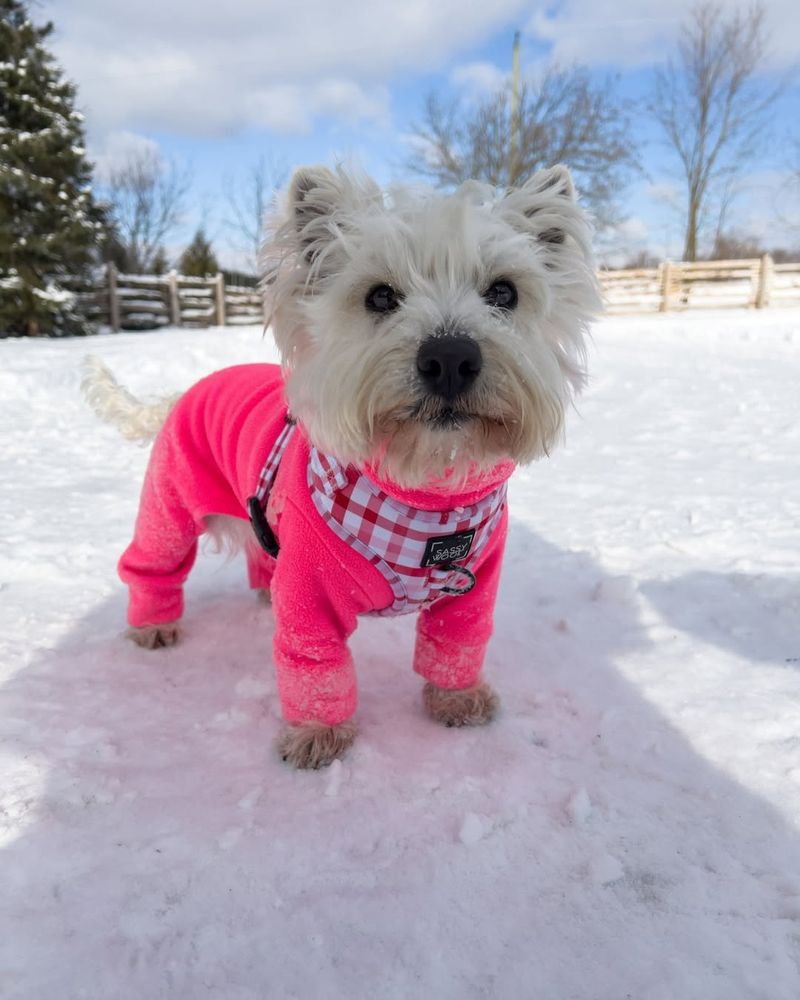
(448,548)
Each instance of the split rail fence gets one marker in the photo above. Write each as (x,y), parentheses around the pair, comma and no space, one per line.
(148,301)
(711,284)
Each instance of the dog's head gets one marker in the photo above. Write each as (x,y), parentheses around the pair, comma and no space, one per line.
(430,333)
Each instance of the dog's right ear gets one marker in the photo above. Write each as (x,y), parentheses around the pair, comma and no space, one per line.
(314,196)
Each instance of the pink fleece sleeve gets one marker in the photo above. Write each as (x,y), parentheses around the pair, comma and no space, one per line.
(315,600)
(224,423)
(156,563)
(453,634)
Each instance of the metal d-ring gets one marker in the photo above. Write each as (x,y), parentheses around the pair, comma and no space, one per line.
(456,591)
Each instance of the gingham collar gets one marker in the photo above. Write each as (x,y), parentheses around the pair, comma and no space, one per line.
(422,554)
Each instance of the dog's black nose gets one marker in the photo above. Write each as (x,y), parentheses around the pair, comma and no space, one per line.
(449,364)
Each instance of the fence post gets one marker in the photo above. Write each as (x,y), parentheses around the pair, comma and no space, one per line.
(219,295)
(666,285)
(174,299)
(113,297)
(764,281)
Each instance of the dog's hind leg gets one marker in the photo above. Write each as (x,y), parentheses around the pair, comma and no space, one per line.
(260,568)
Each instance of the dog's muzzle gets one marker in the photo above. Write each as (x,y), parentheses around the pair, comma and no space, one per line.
(448,365)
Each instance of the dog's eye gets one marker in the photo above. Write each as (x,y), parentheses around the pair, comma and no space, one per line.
(382,299)
(501,295)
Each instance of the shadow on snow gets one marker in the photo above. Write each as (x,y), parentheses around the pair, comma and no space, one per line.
(577,848)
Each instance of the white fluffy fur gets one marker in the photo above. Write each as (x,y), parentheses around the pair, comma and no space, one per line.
(352,375)
(229,535)
(352,378)
(114,404)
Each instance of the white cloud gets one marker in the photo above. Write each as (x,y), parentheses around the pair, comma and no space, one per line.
(621,242)
(193,67)
(665,193)
(633,230)
(769,208)
(116,148)
(291,108)
(479,78)
(618,33)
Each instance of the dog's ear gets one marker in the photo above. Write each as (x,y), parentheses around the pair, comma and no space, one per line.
(546,200)
(313,192)
(314,195)
(555,181)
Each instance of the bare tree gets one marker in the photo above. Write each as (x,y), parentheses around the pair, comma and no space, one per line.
(788,211)
(711,106)
(564,117)
(147,197)
(736,246)
(248,202)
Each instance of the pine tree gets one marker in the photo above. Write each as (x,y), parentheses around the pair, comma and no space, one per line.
(198,258)
(50,224)
(160,262)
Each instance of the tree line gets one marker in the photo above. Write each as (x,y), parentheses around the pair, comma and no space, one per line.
(709,102)
(54,226)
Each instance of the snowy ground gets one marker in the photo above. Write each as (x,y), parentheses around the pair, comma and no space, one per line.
(629,829)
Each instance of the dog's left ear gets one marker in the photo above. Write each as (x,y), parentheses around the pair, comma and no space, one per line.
(547,201)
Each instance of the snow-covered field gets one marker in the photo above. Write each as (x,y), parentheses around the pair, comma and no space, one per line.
(629,829)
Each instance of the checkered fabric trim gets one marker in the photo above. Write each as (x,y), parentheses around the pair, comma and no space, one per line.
(270,470)
(393,536)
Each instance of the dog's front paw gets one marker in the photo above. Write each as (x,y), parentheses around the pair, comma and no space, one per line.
(313,745)
(154,636)
(472,706)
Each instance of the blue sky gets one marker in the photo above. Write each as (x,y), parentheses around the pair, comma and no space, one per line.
(216,86)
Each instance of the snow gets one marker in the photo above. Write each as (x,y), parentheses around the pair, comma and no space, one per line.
(13,280)
(54,293)
(628,827)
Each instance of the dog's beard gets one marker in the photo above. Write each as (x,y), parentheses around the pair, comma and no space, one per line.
(416,439)
(444,416)
(424,448)
(375,414)
(432,438)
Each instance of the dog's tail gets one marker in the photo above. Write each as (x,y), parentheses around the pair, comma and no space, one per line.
(134,419)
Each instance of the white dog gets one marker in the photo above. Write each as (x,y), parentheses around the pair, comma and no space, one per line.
(429,342)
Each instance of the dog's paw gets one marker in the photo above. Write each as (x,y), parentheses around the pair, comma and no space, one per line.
(313,745)
(154,636)
(472,706)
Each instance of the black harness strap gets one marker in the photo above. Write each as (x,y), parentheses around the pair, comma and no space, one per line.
(257,504)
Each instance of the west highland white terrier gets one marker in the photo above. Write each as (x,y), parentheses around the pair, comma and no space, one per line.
(430,342)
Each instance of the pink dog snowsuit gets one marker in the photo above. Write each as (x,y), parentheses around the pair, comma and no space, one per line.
(208,459)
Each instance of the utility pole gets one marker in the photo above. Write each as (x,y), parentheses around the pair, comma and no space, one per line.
(513,167)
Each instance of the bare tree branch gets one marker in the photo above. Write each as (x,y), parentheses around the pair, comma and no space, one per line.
(147,197)
(787,198)
(248,201)
(711,107)
(564,117)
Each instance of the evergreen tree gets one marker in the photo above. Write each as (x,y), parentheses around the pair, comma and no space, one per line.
(198,258)
(113,248)
(50,224)
(160,262)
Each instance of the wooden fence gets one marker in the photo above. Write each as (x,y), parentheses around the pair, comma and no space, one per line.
(711,284)
(148,301)
(145,302)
